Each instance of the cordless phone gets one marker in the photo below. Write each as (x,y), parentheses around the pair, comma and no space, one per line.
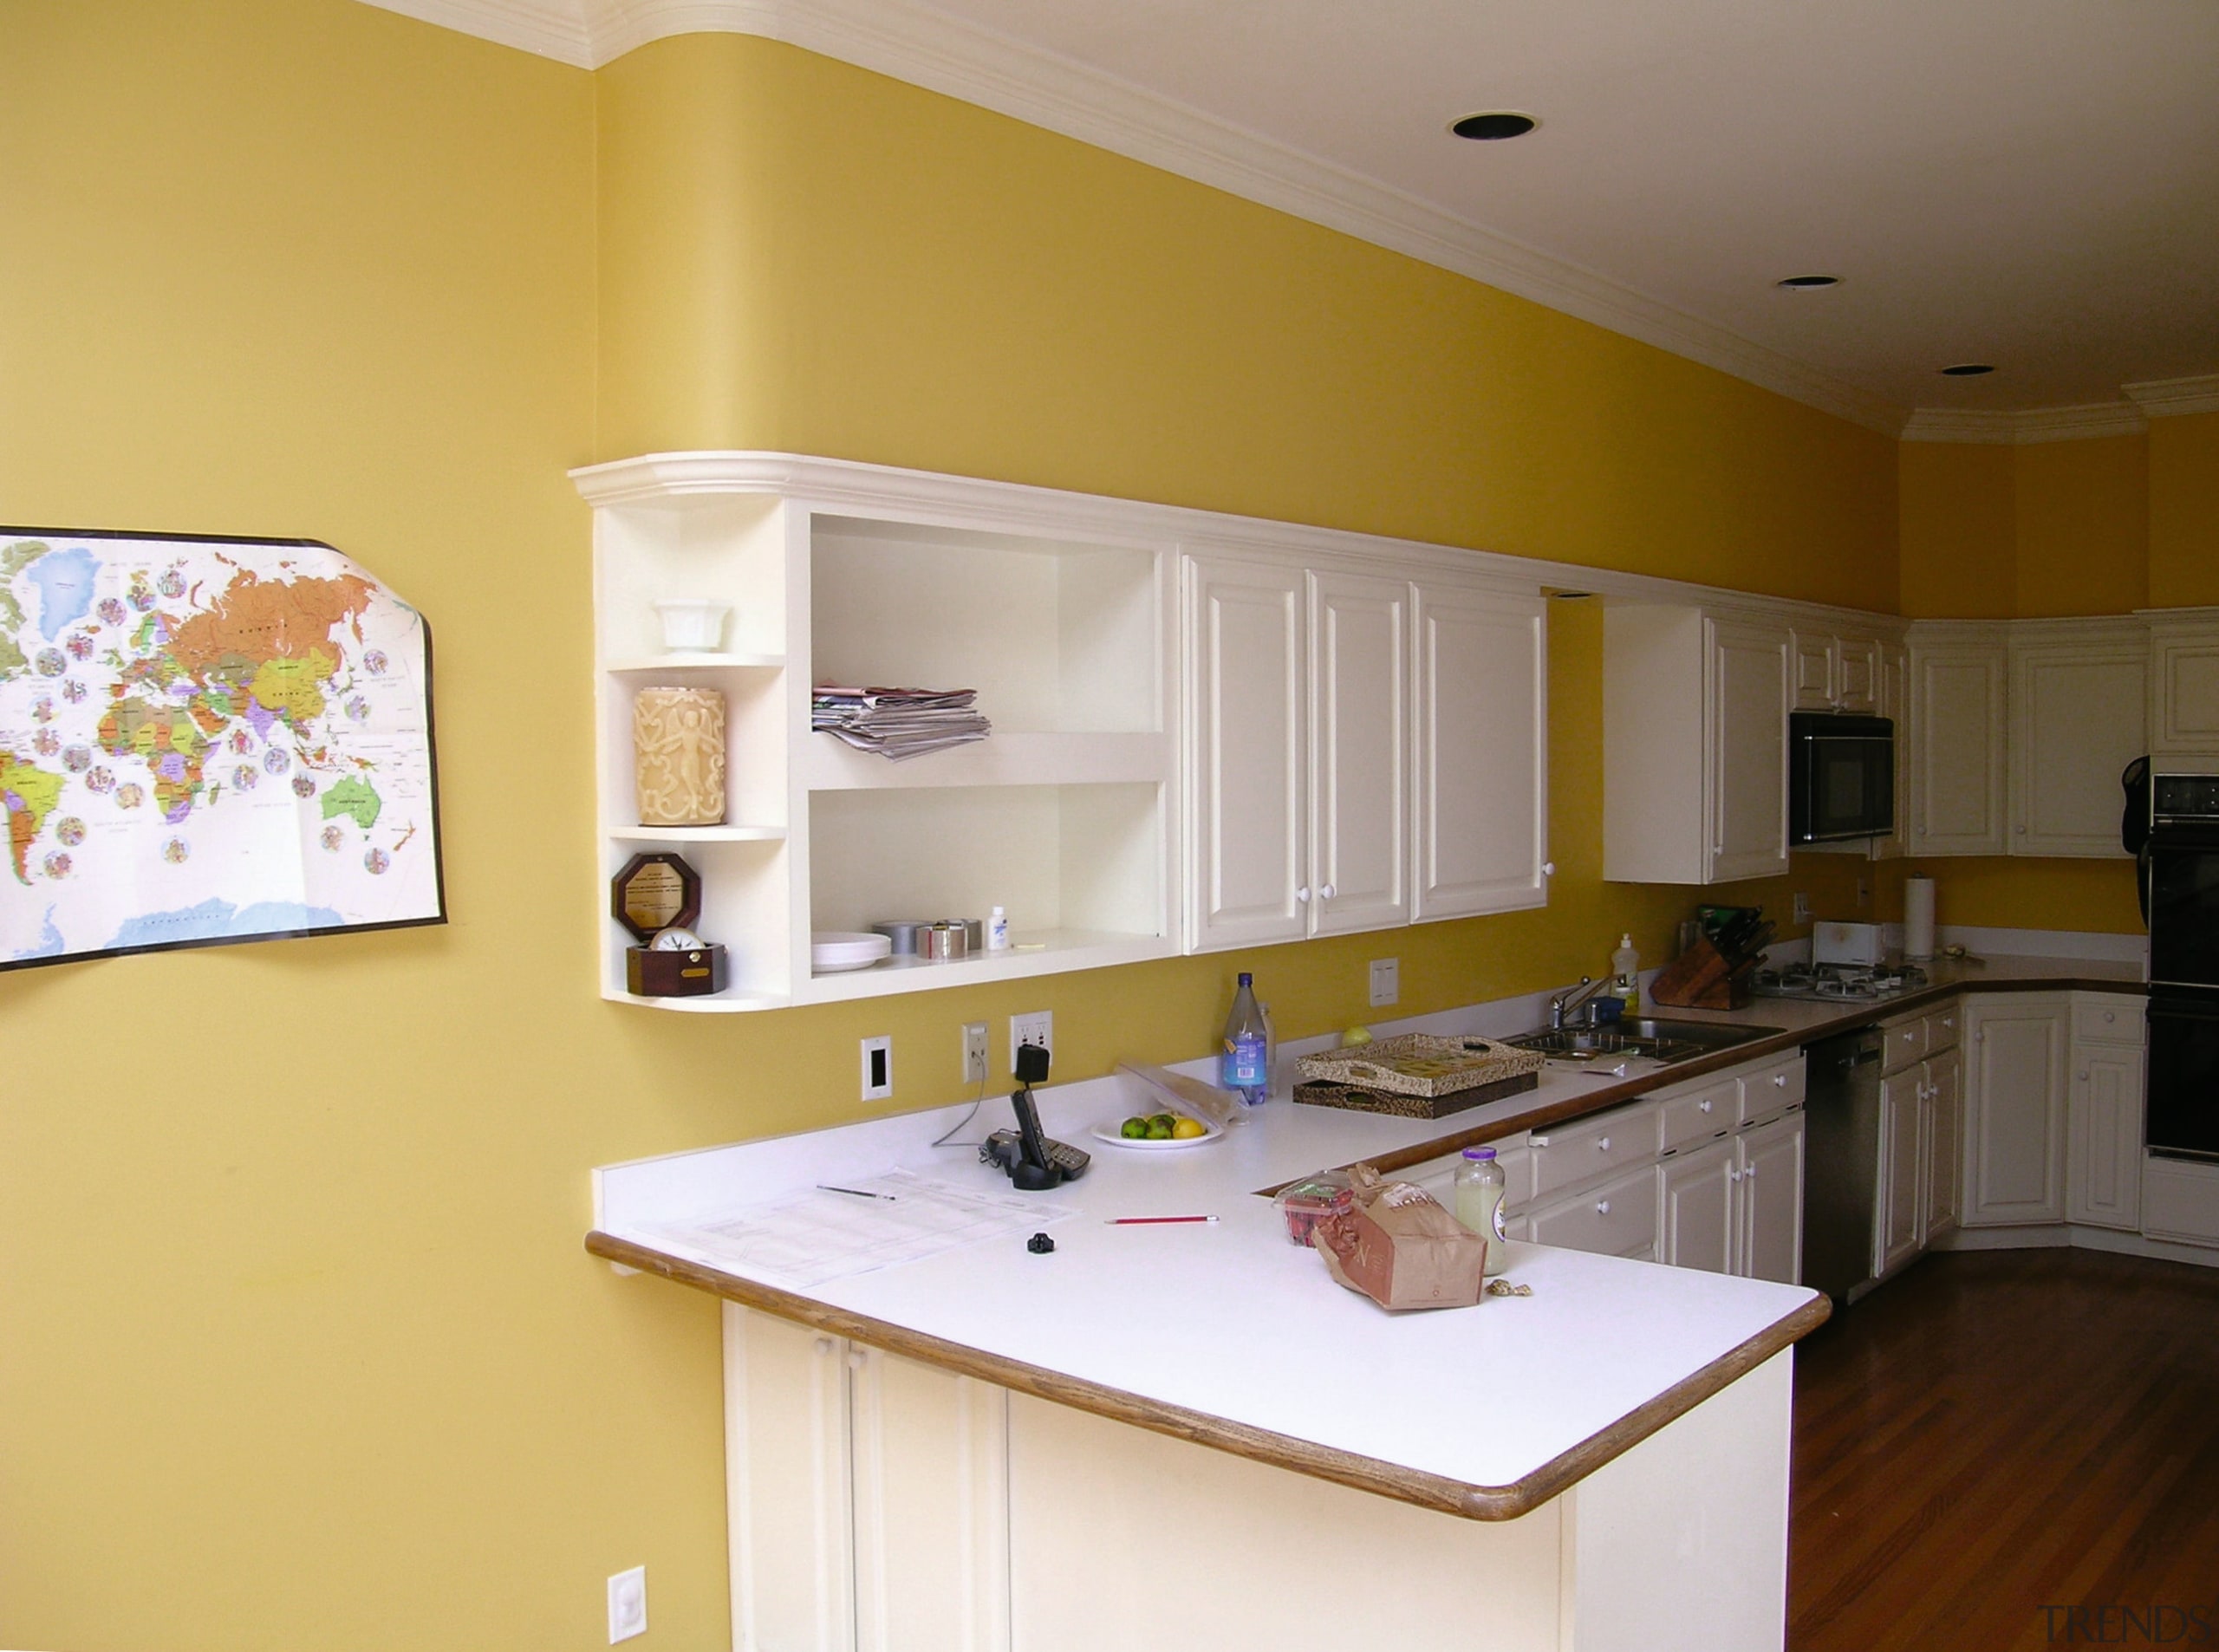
(1034,1161)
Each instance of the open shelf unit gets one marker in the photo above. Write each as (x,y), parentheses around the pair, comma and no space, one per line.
(1065,815)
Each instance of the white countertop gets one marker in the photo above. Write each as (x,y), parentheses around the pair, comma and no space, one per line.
(1229,1321)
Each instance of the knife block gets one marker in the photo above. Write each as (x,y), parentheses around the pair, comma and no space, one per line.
(1702,978)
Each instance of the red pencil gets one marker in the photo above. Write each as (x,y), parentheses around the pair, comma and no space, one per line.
(1152,1221)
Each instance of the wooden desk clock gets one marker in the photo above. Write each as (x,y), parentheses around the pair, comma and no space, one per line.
(658,897)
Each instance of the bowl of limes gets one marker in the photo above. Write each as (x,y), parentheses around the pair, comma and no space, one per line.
(1157,1131)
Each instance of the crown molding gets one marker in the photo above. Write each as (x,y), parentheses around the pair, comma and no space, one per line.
(911,43)
(2163,398)
(2026,426)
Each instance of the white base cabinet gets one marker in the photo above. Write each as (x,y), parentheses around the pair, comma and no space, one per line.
(2103,1177)
(2015,1082)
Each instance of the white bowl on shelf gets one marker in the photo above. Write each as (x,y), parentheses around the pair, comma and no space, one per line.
(691,625)
(831,951)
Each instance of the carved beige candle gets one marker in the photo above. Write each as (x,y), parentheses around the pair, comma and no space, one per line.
(678,736)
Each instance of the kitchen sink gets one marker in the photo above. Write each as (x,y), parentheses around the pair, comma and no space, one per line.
(1664,1042)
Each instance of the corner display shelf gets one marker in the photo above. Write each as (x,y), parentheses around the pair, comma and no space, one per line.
(1058,609)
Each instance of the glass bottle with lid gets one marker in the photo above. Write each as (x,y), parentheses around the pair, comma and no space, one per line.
(1480,1188)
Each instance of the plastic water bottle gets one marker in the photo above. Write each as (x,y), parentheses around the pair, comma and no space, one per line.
(1480,1188)
(1245,1068)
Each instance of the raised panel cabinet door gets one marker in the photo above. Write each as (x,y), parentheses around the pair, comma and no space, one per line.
(1891,700)
(930,1451)
(787,1484)
(1771,1194)
(1816,661)
(1897,1233)
(1856,675)
(2185,690)
(1248,751)
(1359,761)
(1957,759)
(1945,1084)
(1746,692)
(2014,1104)
(1482,752)
(2104,1180)
(1695,1208)
(2077,714)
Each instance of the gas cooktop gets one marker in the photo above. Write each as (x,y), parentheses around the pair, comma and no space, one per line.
(1843,983)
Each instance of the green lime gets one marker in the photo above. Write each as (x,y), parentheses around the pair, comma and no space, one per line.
(1159,1129)
(1133,1129)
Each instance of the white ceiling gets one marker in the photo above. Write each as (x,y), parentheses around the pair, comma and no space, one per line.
(2032,183)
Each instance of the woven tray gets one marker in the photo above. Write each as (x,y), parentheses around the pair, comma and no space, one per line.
(1324,1093)
(1418,1063)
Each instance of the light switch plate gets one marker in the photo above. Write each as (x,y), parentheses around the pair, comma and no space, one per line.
(627,1604)
(974,1053)
(1802,908)
(878,1067)
(1386,981)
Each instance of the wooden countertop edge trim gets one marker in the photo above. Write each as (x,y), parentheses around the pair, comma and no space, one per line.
(1632,1089)
(1280,1451)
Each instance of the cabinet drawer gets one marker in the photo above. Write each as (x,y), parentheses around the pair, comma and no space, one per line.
(1615,1217)
(1906,1044)
(1770,1088)
(1580,1152)
(2108,1020)
(1698,1115)
(1941,1027)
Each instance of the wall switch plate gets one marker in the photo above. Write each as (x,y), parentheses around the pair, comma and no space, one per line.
(878,1067)
(1386,981)
(1037,1028)
(974,1053)
(627,1604)
(1802,908)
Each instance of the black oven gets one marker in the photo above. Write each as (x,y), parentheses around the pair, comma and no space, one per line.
(1841,776)
(2181,1119)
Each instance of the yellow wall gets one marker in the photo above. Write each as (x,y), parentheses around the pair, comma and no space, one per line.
(2184,510)
(1959,530)
(300,1348)
(2083,517)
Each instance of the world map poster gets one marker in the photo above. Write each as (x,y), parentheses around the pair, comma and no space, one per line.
(207,740)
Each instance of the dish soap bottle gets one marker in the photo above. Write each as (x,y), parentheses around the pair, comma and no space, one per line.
(1625,974)
(1243,1068)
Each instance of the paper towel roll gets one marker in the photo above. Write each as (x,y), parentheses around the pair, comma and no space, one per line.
(1918,919)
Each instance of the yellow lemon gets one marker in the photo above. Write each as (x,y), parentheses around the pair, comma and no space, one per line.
(1187,1130)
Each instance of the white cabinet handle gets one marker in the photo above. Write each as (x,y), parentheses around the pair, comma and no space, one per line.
(1602,1144)
(1327,892)
(2111,1016)
(1703,1106)
(2082,1076)
(1548,868)
(1602,1207)
(1732,1174)
(1751,1172)
(823,1346)
(855,1359)
(2021,831)
(1780,1080)
(1302,894)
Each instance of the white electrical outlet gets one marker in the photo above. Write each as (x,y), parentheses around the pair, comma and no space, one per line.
(1386,981)
(1802,908)
(974,1053)
(1037,1028)
(627,1604)
(878,1067)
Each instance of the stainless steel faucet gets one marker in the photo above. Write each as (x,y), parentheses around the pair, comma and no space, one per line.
(1571,998)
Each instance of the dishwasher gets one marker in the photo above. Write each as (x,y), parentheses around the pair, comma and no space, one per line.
(1841,1182)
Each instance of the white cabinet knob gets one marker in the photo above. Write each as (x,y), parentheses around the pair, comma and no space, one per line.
(2110,1015)
(1703,1106)
(855,1359)
(1751,1172)
(2021,831)
(1732,1174)
(823,1346)
(1602,1207)
(1302,894)
(1602,1144)
(2082,1076)
(1548,868)
(1327,892)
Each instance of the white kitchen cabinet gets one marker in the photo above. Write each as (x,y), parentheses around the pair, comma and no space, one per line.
(1943,1079)
(2104,1153)
(2180,1200)
(1694,740)
(1359,767)
(1769,1234)
(1959,680)
(1891,700)
(1616,1216)
(866,1496)
(1904,1119)
(1248,751)
(1835,674)
(2016,1084)
(2078,696)
(1698,1207)
(1481,748)
(2184,687)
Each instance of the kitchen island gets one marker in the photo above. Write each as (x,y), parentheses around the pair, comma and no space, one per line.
(1188,1435)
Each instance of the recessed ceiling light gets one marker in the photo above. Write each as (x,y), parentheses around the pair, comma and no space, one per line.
(1967,369)
(1808,284)
(1493,125)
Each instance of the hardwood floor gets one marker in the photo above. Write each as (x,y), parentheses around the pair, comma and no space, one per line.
(1998,1432)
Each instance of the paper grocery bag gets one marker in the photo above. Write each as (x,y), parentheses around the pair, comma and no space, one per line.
(1400,1248)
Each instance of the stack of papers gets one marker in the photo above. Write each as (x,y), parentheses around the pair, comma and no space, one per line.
(898,723)
(820,1234)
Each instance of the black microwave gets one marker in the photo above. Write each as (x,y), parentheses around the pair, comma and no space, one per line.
(1841,776)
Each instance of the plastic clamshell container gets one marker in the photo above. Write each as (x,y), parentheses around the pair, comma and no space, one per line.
(1310,1201)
